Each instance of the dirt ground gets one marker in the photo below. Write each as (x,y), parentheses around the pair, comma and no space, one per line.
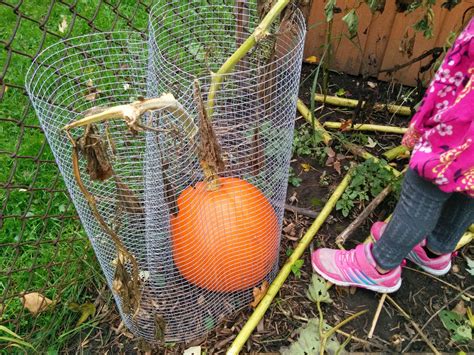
(420,296)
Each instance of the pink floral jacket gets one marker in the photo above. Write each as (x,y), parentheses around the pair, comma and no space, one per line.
(442,130)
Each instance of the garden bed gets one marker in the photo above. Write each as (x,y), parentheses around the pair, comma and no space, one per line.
(421,295)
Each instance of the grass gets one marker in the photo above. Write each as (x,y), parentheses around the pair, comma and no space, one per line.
(39,253)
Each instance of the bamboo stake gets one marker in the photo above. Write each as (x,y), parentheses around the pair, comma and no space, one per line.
(465,239)
(262,307)
(339,101)
(398,152)
(309,117)
(260,32)
(366,127)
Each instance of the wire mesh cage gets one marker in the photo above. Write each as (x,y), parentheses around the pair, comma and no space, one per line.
(179,250)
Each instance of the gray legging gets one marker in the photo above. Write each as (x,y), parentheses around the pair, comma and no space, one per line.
(424,211)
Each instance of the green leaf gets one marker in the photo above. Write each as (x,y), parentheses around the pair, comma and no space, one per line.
(470,266)
(329,10)
(457,325)
(14,339)
(309,342)
(87,310)
(463,334)
(352,21)
(340,92)
(318,290)
(296,267)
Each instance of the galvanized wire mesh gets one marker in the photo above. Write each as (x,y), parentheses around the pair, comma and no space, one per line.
(199,252)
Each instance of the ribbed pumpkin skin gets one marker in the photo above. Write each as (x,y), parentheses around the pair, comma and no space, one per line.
(227,239)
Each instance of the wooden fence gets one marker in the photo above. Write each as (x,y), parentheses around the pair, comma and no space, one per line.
(384,39)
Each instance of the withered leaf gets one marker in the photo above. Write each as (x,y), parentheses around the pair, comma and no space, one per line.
(86,309)
(35,302)
(127,198)
(91,146)
(124,285)
(460,308)
(210,152)
(259,293)
(346,125)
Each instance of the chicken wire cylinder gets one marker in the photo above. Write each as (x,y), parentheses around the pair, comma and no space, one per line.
(199,252)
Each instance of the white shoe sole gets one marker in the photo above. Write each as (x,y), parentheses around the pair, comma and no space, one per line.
(435,272)
(376,288)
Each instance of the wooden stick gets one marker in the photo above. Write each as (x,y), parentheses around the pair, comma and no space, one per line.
(376,316)
(340,101)
(414,324)
(304,211)
(309,117)
(366,127)
(341,238)
(262,307)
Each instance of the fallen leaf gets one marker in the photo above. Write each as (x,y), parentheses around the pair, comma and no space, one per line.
(35,302)
(306,167)
(259,293)
(460,308)
(340,92)
(346,125)
(63,25)
(87,310)
(289,228)
(371,143)
(330,152)
(293,198)
(193,350)
(371,84)
(337,166)
(312,59)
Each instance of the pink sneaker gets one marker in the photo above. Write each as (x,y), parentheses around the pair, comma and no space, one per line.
(436,266)
(355,267)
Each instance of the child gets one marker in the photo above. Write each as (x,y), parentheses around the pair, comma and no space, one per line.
(437,201)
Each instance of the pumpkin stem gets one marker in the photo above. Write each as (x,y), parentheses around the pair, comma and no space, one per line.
(209,148)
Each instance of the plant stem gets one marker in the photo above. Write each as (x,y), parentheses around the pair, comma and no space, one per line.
(258,34)
(131,113)
(262,307)
(331,331)
(394,153)
(316,125)
(366,127)
(340,101)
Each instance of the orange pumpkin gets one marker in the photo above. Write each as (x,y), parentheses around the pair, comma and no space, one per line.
(224,239)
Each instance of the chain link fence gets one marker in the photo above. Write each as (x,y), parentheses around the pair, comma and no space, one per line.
(43,248)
